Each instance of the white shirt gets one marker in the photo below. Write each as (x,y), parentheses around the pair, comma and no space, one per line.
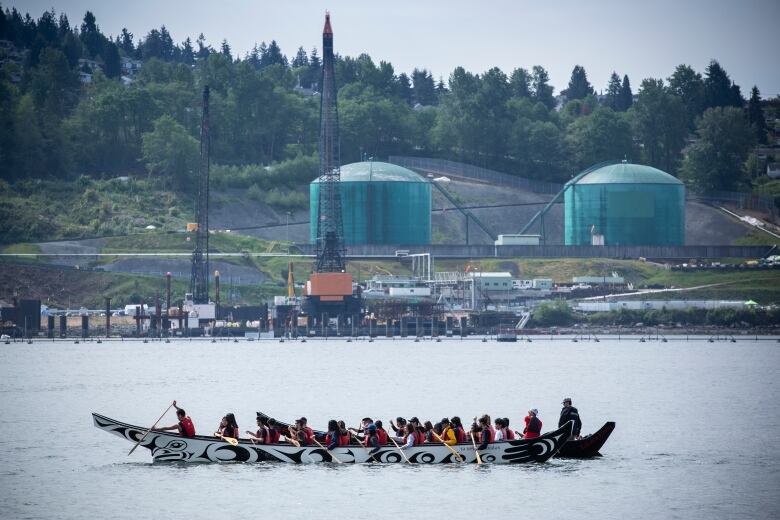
(499,436)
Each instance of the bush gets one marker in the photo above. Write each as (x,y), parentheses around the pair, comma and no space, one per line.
(286,201)
(553,314)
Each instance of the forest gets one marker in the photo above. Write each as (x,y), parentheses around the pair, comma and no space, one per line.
(76,102)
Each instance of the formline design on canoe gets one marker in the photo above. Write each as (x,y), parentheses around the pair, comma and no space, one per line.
(167,446)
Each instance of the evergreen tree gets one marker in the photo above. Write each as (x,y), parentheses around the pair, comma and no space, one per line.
(405,88)
(187,52)
(718,88)
(756,116)
(423,89)
(225,49)
(520,83)
(111,60)
(271,55)
(72,48)
(613,92)
(626,96)
(579,86)
(203,49)
(64,26)
(90,35)
(47,28)
(301,59)
(167,45)
(126,42)
(542,90)
(441,88)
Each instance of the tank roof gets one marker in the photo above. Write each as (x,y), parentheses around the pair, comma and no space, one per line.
(374,171)
(627,173)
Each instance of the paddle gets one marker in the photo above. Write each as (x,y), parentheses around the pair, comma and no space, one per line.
(326,449)
(399,449)
(230,440)
(457,455)
(363,445)
(479,459)
(150,429)
(292,437)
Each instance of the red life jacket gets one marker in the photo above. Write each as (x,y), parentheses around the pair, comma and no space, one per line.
(460,434)
(309,434)
(344,439)
(419,438)
(510,435)
(492,433)
(382,435)
(533,427)
(328,438)
(273,436)
(186,428)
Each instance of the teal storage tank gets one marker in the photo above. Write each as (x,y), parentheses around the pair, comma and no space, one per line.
(629,204)
(381,204)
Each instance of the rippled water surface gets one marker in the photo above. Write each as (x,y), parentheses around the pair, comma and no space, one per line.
(696,436)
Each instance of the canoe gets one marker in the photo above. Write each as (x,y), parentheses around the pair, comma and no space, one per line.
(589,445)
(168,446)
(584,448)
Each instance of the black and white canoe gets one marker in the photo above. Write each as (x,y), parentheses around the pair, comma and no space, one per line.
(168,446)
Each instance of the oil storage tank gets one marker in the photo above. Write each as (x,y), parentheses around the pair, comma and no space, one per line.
(381,203)
(624,204)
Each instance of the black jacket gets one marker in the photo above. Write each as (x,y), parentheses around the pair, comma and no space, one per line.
(570,414)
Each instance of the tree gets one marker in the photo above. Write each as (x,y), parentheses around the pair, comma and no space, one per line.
(716,160)
(405,88)
(613,92)
(520,83)
(756,116)
(542,90)
(301,59)
(660,123)
(187,52)
(126,42)
(423,88)
(91,36)
(579,86)
(170,151)
(111,60)
(719,90)
(601,136)
(203,49)
(688,85)
(225,50)
(626,96)
(272,55)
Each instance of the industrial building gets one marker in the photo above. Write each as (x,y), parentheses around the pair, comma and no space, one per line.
(624,204)
(381,203)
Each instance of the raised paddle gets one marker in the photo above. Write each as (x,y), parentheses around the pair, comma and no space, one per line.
(479,459)
(333,455)
(457,455)
(399,449)
(150,429)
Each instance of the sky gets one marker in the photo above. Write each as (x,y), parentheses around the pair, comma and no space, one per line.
(639,38)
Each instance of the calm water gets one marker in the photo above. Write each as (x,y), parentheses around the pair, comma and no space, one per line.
(696,437)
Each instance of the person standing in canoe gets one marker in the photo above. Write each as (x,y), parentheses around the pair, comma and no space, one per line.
(569,413)
(533,425)
(185,427)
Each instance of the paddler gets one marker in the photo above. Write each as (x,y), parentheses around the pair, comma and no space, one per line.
(569,413)
(228,427)
(333,438)
(185,427)
(262,435)
(485,435)
(457,428)
(447,434)
(372,441)
(381,433)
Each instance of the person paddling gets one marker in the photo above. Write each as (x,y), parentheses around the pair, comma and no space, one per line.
(261,437)
(447,434)
(333,438)
(381,433)
(510,435)
(569,413)
(533,425)
(486,436)
(185,427)
(228,427)
(274,433)
(457,428)
(372,441)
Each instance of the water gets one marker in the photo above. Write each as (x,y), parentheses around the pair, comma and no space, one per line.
(696,437)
